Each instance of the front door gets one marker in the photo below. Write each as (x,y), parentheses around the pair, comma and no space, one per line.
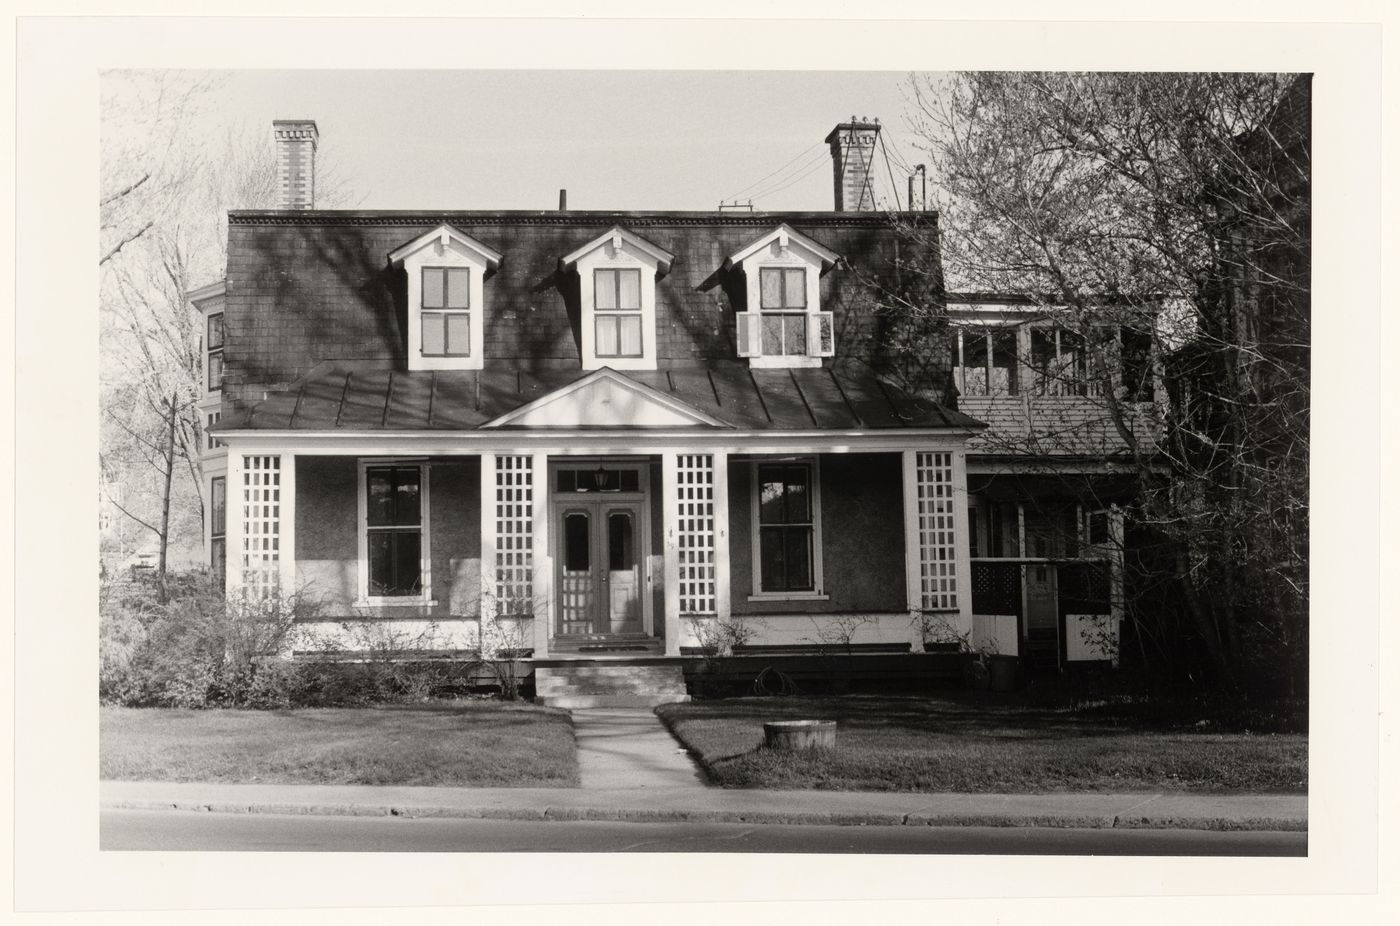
(600,567)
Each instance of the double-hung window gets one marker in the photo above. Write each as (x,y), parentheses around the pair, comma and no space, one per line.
(787,528)
(218,517)
(985,361)
(394,531)
(617,313)
(446,312)
(783,303)
(214,352)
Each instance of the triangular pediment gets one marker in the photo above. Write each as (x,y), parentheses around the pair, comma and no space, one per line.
(441,239)
(786,239)
(606,399)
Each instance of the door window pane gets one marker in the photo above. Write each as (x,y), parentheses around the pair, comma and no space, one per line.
(576,543)
(620,541)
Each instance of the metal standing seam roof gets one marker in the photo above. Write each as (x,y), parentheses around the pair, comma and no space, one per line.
(353,396)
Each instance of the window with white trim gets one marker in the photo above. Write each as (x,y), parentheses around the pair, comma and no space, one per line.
(781,323)
(393,532)
(617,313)
(985,361)
(214,352)
(211,442)
(218,529)
(445,312)
(787,529)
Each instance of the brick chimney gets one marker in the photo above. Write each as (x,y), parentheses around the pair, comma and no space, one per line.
(296,162)
(852,161)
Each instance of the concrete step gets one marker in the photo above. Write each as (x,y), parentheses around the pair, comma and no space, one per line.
(583,701)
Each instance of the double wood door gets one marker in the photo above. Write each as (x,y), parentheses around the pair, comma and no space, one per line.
(599,571)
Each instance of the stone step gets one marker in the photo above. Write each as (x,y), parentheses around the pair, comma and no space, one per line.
(584,701)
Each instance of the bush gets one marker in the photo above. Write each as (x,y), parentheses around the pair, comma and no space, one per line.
(198,648)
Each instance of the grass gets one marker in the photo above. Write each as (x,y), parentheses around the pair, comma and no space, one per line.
(966,743)
(461,743)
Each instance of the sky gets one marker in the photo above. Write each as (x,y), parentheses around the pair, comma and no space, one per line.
(626,140)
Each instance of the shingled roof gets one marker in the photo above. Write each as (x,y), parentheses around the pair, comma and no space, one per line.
(355,396)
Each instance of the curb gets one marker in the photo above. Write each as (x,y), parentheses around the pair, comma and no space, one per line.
(762,817)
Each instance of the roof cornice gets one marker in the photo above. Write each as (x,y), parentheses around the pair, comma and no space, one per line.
(762,220)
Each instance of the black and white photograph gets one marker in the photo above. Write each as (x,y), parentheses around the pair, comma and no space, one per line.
(634,465)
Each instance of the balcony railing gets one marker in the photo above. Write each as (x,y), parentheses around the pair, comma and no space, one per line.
(786,334)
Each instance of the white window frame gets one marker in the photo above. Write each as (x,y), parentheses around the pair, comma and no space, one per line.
(425,597)
(617,250)
(818,592)
(212,443)
(211,352)
(784,250)
(445,310)
(447,249)
(618,312)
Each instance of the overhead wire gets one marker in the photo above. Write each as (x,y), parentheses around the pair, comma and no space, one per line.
(805,152)
(816,166)
(805,169)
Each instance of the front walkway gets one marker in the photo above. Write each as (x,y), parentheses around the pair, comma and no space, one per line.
(630,748)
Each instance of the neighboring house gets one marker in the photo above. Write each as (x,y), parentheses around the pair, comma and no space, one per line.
(614,429)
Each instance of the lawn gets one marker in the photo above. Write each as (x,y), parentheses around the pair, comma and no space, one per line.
(461,743)
(963,743)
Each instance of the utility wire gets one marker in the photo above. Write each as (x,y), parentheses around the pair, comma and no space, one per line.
(811,170)
(804,154)
(893,188)
(802,170)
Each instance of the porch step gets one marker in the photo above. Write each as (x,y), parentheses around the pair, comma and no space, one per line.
(612,685)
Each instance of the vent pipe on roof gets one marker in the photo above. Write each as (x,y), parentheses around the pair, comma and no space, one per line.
(296,162)
(853,163)
(563,200)
(918,195)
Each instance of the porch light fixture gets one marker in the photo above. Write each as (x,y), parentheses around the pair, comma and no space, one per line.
(600,478)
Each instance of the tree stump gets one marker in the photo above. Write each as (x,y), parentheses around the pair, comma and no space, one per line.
(794,735)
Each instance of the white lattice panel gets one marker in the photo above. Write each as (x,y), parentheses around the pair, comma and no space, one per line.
(695,532)
(262,515)
(938,585)
(514,514)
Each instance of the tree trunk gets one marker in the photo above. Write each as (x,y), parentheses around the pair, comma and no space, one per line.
(165,495)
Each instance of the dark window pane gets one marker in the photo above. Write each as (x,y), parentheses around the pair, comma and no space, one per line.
(392,496)
(771,497)
(434,344)
(406,504)
(1098,527)
(566,480)
(629,284)
(799,510)
(1043,360)
(576,542)
(218,506)
(432,288)
(394,563)
(379,489)
(1004,363)
(216,331)
(1137,364)
(631,480)
(799,558)
(458,291)
(974,365)
(619,541)
(216,370)
(772,560)
(459,334)
(605,289)
(972,532)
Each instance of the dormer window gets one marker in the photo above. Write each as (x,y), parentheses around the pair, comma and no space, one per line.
(617,274)
(446,312)
(617,313)
(782,324)
(446,272)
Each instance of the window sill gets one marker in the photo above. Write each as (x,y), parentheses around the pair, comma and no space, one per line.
(395,603)
(790,362)
(789,596)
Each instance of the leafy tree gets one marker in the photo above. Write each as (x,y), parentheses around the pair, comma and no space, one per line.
(1171,210)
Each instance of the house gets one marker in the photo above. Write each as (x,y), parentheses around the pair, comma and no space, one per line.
(612,432)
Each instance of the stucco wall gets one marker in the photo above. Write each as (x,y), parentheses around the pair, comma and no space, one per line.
(327,554)
(862,538)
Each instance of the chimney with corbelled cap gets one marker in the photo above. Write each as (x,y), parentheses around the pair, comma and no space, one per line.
(852,161)
(296,162)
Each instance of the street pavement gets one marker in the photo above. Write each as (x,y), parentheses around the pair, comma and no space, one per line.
(166,831)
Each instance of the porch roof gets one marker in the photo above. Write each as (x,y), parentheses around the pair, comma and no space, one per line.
(355,396)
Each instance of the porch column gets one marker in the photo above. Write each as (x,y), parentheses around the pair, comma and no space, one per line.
(936,565)
(542,564)
(233,524)
(670,571)
(514,531)
(721,511)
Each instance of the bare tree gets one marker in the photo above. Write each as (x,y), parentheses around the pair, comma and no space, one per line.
(1161,220)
